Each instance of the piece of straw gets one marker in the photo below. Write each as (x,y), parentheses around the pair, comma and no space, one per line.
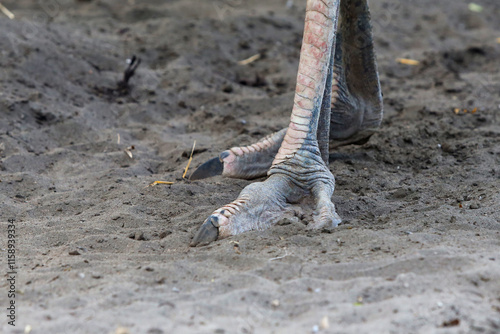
(7,12)
(249,60)
(189,161)
(406,61)
(160,182)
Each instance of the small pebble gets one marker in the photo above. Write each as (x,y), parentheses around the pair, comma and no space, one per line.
(122,330)
(325,324)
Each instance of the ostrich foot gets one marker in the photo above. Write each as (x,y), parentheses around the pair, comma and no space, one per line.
(262,204)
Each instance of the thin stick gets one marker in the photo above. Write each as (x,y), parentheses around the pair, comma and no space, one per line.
(159,182)
(249,60)
(406,61)
(189,161)
(7,12)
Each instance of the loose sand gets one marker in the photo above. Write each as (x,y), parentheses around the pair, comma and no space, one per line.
(419,250)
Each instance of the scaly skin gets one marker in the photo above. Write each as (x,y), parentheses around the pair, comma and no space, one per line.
(248,161)
(356,103)
(299,169)
(357,109)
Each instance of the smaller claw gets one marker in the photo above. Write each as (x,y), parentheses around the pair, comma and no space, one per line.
(212,167)
(207,233)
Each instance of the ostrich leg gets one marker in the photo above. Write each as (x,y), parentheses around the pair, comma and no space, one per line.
(356,110)
(298,169)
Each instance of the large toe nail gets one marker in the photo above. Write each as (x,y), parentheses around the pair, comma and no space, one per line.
(210,168)
(207,233)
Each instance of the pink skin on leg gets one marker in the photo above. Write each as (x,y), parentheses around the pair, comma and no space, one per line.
(314,57)
(261,204)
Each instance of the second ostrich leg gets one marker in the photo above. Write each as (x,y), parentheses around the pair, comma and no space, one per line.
(298,169)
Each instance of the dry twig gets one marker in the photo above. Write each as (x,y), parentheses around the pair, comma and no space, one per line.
(7,12)
(249,60)
(189,161)
(406,61)
(160,182)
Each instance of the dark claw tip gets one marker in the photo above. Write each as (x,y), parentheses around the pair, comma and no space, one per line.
(210,168)
(207,233)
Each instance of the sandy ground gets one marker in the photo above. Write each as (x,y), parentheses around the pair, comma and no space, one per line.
(99,252)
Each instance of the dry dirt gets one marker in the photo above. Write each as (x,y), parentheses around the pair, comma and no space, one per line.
(100,252)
